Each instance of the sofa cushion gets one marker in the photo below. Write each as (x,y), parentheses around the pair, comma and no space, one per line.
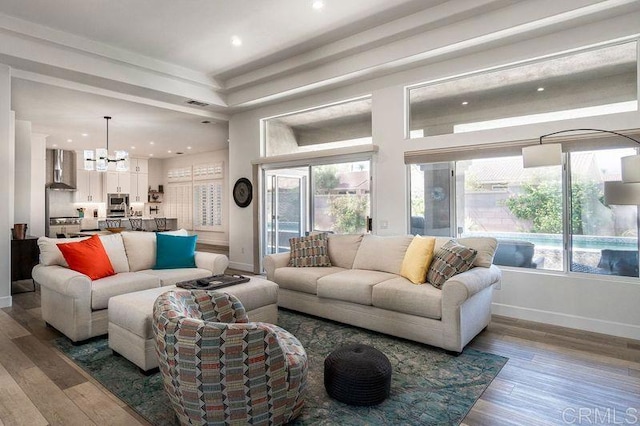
(173,276)
(485,246)
(450,260)
(302,279)
(352,285)
(105,288)
(141,248)
(382,253)
(400,295)
(417,259)
(309,251)
(87,257)
(343,249)
(51,255)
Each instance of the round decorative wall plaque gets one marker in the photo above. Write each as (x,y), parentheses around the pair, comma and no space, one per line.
(243,192)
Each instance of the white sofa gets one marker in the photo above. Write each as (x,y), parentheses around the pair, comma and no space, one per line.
(77,306)
(363,287)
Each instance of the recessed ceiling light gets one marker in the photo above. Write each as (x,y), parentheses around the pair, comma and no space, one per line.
(150,155)
(69,140)
(236,41)
(85,134)
(133,147)
(169,151)
(317,5)
(188,147)
(54,145)
(151,143)
(540,89)
(465,103)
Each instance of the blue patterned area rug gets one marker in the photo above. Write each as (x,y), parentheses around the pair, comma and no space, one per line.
(428,387)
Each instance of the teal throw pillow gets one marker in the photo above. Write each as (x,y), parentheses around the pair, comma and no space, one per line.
(173,251)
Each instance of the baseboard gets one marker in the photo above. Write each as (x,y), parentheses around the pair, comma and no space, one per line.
(5,301)
(247,267)
(612,328)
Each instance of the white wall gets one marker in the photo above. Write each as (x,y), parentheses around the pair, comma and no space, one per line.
(156,176)
(22,206)
(38,181)
(208,237)
(596,303)
(7,145)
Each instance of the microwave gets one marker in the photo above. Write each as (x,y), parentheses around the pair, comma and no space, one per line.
(115,200)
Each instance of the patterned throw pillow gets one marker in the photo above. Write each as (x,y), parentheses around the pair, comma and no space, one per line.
(450,260)
(309,251)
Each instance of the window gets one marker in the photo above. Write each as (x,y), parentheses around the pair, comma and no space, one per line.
(334,126)
(589,83)
(532,212)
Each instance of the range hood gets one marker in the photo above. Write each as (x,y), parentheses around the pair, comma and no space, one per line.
(62,180)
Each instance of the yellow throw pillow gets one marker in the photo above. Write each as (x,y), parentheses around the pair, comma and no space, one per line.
(417,259)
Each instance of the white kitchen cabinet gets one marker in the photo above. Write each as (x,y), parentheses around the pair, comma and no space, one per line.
(139,165)
(54,230)
(89,187)
(117,182)
(139,188)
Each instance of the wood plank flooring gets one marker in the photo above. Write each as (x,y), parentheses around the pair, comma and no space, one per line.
(554,375)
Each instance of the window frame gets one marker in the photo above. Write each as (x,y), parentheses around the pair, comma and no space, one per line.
(567,234)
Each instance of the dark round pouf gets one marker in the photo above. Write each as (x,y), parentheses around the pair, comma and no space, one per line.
(357,375)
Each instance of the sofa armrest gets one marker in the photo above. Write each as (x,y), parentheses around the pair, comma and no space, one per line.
(462,286)
(214,262)
(63,280)
(274,261)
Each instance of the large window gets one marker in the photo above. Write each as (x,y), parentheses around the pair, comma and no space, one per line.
(334,126)
(550,218)
(586,84)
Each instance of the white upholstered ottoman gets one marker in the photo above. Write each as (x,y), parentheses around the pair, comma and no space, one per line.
(130,316)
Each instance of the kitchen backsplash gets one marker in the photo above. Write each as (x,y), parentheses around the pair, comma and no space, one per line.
(61,204)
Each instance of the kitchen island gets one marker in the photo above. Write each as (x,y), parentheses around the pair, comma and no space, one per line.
(148,223)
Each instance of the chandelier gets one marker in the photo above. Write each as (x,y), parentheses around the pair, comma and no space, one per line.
(99,160)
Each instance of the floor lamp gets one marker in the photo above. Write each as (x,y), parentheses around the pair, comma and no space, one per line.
(624,194)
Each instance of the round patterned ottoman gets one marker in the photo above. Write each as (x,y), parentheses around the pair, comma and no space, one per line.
(357,375)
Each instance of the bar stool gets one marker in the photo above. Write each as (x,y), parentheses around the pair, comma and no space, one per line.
(113,223)
(161,224)
(136,224)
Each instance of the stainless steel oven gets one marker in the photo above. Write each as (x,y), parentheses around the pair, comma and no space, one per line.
(117,205)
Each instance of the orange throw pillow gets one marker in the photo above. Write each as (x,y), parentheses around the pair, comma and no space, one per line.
(88,257)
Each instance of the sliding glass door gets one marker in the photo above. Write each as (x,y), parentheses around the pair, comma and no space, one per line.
(285,207)
(337,198)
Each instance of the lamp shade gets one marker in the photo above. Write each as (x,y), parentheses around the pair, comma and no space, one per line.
(631,169)
(549,154)
(619,193)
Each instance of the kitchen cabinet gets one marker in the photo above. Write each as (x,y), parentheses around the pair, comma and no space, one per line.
(117,182)
(139,165)
(89,187)
(54,230)
(139,188)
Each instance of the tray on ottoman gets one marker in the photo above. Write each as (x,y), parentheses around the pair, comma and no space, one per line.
(213,282)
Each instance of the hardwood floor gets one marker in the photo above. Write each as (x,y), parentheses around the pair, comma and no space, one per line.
(554,376)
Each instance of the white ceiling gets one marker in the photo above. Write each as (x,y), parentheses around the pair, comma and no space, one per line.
(66,114)
(75,61)
(197,34)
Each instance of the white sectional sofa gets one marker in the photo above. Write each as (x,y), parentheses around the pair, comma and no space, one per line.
(77,306)
(363,287)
